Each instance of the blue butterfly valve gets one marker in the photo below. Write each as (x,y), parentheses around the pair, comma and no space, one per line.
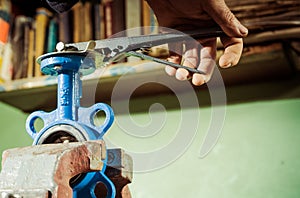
(70,122)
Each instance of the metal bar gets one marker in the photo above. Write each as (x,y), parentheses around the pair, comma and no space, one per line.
(146,57)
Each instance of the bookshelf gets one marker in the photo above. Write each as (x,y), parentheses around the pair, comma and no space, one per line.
(99,88)
(87,20)
(265,58)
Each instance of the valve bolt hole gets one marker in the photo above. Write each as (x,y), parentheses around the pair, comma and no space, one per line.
(101,190)
(99,118)
(38,124)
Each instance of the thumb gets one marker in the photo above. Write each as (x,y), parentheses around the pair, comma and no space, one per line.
(219,11)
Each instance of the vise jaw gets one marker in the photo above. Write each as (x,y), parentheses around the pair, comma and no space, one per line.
(49,170)
(45,170)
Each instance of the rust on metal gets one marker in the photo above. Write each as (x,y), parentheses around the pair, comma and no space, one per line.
(44,171)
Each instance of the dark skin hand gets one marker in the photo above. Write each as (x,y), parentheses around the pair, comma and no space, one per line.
(196,14)
(190,15)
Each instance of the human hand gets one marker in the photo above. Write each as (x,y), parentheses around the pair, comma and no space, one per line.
(185,15)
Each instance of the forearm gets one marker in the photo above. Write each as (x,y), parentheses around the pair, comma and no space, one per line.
(61,5)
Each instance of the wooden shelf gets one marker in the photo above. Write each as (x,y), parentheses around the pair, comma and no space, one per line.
(40,93)
(266,63)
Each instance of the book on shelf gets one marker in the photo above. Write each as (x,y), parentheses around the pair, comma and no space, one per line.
(82,21)
(6,65)
(41,25)
(99,21)
(5,47)
(24,64)
(149,20)
(77,11)
(107,18)
(52,35)
(65,27)
(20,43)
(30,57)
(114,12)
(133,16)
(87,29)
(5,25)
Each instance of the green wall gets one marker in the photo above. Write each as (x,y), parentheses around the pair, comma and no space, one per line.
(257,155)
(13,133)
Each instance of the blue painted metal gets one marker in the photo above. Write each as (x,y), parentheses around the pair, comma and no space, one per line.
(75,120)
